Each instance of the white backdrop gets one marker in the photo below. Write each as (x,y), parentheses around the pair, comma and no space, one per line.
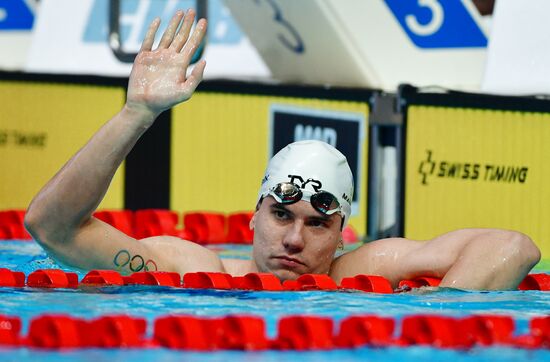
(519,52)
(16,20)
(369,43)
(71,37)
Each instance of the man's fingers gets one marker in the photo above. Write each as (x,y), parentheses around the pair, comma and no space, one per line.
(168,35)
(150,36)
(194,78)
(183,33)
(194,41)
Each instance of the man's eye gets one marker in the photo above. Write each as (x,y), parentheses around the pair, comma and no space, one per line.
(318,223)
(279,214)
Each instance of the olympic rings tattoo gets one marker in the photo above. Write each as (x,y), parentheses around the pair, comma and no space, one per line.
(149,267)
(139,266)
(135,263)
(122,258)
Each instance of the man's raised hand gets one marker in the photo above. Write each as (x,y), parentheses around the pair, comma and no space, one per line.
(158,80)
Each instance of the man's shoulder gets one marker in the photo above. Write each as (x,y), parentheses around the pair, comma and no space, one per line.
(238,266)
(167,243)
(379,257)
(380,247)
(185,256)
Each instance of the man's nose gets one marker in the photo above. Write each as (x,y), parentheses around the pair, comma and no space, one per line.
(294,238)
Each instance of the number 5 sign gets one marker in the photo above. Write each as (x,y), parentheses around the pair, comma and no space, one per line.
(438,23)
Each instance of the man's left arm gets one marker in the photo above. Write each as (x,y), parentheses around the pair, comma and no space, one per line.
(489,259)
(478,259)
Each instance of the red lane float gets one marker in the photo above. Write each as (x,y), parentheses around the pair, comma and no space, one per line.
(56,331)
(63,331)
(123,220)
(304,333)
(207,280)
(540,333)
(449,332)
(242,332)
(238,228)
(316,282)
(431,330)
(358,331)
(52,278)
(154,222)
(419,282)
(12,225)
(105,278)
(368,283)
(10,327)
(168,279)
(257,281)
(535,282)
(56,278)
(310,282)
(184,332)
(205,227)
(291,285)
(486,330)
(10,278)
(203,334)
(116,331)
(349,235)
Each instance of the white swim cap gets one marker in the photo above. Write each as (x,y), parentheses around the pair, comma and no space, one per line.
(314,166)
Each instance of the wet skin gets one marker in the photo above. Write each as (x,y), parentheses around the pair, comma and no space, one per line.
(290,240)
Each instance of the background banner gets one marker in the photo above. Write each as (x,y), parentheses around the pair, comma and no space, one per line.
(41,126)
(477,168)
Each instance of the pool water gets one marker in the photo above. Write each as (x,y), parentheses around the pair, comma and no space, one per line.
(153,302)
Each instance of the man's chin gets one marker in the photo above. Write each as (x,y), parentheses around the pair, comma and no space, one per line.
(284,274)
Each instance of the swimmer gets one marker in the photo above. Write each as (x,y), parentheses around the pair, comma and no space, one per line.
(302,206)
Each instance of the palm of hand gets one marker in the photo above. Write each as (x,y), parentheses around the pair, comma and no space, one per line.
(158,80)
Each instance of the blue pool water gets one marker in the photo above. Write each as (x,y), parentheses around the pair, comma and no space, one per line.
(152,302)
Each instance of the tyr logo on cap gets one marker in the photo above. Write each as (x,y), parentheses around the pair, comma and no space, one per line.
(315,184)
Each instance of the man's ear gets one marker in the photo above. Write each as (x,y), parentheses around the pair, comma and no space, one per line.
(253,221)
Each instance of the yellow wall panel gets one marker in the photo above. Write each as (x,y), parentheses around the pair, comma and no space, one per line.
(477,168)
(220,150)
(41,127)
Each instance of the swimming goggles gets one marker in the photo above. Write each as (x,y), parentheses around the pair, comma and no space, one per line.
(289,193)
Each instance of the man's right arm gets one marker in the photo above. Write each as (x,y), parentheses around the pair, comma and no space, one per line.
(60,216)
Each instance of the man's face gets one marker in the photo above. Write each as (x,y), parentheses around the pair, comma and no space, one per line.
(291,240)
